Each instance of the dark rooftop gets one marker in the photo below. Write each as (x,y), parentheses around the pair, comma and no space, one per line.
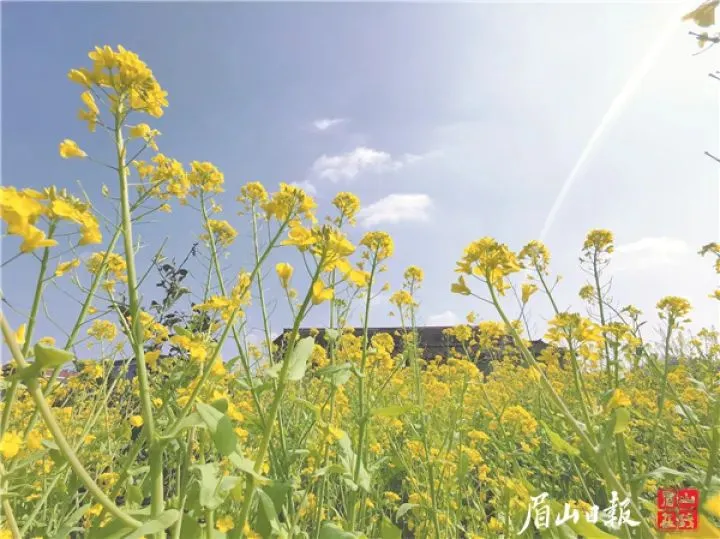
(432,340)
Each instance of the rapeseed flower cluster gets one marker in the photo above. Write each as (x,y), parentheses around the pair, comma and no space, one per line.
(333,433)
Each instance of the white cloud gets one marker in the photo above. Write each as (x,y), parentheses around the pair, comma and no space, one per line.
(306,186)
(396,208)
(323,124)
(362,159)
(447,318)
(649,253)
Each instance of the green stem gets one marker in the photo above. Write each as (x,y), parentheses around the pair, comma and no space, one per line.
(419,394)
(585,439)
(80,320)
(157,496)
(596,275)
(10,519)
(663,389)
(714,444)
(577,379)
(266,325)
(364,419)
(12,392)
(277,399)
(7,508)
(100,407)
(228,327)
(183,474)
(332,352)
(62,443)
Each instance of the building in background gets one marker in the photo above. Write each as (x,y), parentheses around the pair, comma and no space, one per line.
(433,341)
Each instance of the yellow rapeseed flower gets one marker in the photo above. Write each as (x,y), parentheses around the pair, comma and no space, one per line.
(129,77)
(252,193)
(299,236)
(224,524)
(587,292)
(64,267)
(69,148)
(379,243)
(205,177)
(20,335)
(392,497)
(222,231)
(34,238)
(115,265)
(712,506)
(348,204)
(102,330)
(490,261)
(673,307)
(535,255)
(320,293)
(139,131)
(10,444)
(619,400)
(460,287)
(291,201)
(528,289)
(284,272)
(414,274)
(600,241)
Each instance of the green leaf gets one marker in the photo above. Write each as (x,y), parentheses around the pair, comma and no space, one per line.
(662,472)
(332,531)
(686,413)
(404,508)
(220,404)
(115,529)
(332,468)
(390,411)
(463,467)
(210,495)
(48,357)
(224,437)
(267,518)
(191,420)
(182,331)
(296,454)
(586,529)
(190,529)
(247,466)
(558,443)
(70,522)
(28,373)
(134,494)
(274,371)
(622,419)
(220,427)
(617,424)
(349,459)
(278,491)
(314,408)
(338,374)
(388,530)
(157,525)
(299,358)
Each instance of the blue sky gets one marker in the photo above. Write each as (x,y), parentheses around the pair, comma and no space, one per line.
(458,121)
